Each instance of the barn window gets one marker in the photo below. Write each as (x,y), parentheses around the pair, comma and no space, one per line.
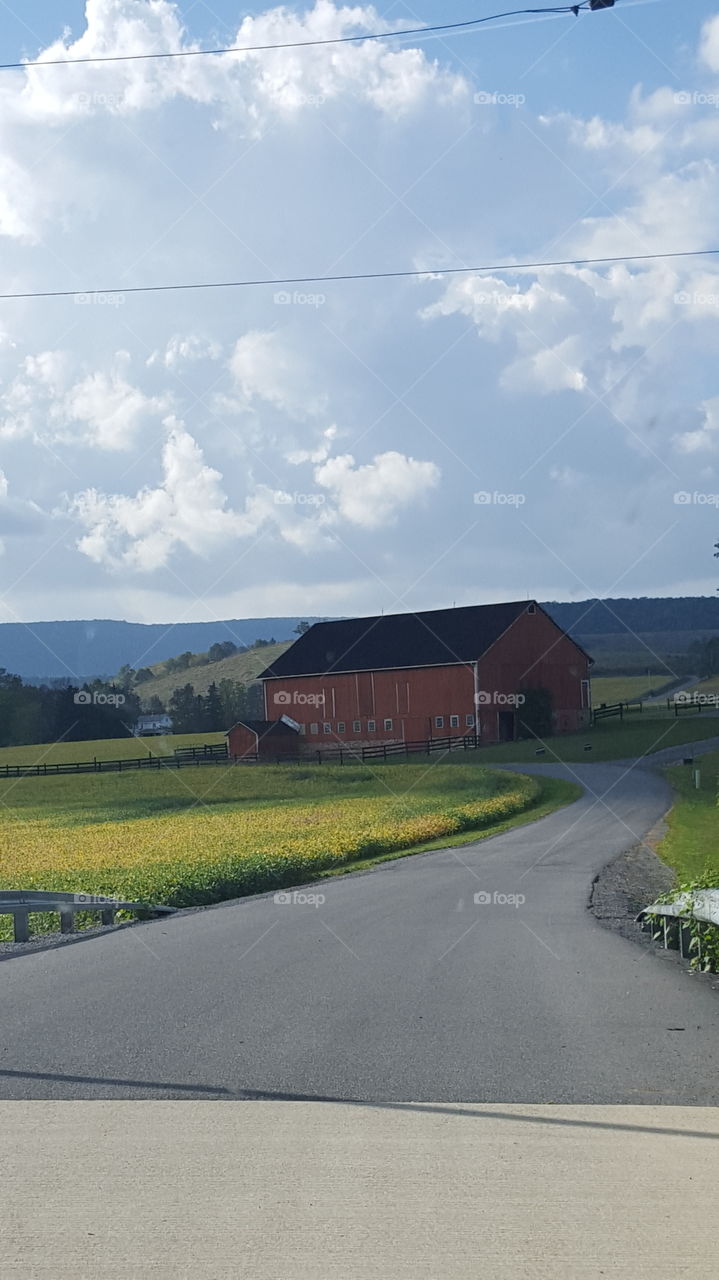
(454,722)
(371,726)
(439,722)
(469,720)
(326,728)
(302,728)
(340,726)
(314,728)
(532,608)
(356,726)
(388,726)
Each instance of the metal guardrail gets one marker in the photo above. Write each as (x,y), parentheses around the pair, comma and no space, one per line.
(20,902)
(701,904)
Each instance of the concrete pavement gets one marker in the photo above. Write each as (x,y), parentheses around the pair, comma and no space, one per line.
(323,1191)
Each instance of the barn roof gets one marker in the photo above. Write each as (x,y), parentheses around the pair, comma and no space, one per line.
(437,637)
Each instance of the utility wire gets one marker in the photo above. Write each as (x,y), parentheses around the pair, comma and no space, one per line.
(585,5)
(364,275)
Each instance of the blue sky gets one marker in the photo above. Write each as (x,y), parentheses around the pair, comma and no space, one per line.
(376,445)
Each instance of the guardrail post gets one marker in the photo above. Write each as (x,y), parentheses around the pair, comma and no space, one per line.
(107,916)
(67,920)
(21,925)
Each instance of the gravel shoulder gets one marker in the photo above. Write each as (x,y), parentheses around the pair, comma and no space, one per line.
(631,881)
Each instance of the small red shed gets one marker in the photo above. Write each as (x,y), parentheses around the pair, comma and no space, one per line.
(268,740)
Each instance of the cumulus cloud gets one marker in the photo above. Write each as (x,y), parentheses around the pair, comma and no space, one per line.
(372,495)
(189,509)
(266,368)
(101,409)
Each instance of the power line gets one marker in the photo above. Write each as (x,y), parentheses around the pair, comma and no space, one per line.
(575,9)
(364,275)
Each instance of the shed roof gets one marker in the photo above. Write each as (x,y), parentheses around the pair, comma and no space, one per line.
(263,728)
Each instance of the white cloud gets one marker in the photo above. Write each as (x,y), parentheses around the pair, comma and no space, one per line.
(266,368)
(189,509)
(373,495)
(186,349)
(709,43)
(251,86)
(705,437)
(102,409)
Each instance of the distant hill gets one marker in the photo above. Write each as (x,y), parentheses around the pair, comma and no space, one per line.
(243,667)
(83,650)
(640,615)
(622,633)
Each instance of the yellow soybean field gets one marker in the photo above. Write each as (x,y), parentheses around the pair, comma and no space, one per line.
(206,834)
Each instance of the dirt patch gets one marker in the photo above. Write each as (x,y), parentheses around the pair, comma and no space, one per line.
(632,881)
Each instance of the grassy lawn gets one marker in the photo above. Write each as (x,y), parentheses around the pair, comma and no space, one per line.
(612,739)
(611,689)
(710,685)
(691,845)
(201,836)
(104,749)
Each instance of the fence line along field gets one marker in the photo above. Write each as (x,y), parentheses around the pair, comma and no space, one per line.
(202,836)
(65,752)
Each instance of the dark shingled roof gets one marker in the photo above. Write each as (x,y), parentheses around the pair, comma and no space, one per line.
(436,637)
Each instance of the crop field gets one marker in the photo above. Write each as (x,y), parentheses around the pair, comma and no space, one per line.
(203,835)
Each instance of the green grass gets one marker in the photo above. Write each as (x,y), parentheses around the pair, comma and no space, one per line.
(710,685)
(611,689)
(104,749)
(691,845)
(638,734)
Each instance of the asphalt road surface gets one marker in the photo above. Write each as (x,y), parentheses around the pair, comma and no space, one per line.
(398,987)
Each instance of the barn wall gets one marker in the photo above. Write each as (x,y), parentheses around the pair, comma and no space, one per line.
(534,654)
(411,699)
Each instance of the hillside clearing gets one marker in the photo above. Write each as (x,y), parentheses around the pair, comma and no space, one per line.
(242,667)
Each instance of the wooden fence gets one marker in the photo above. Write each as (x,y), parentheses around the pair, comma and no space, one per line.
(215,753)
(619,709)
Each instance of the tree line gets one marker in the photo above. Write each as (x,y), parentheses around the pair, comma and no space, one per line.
(100,709)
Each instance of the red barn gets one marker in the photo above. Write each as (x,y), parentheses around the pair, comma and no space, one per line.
(445,672)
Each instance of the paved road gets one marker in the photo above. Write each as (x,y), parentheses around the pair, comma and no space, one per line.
(398,987)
